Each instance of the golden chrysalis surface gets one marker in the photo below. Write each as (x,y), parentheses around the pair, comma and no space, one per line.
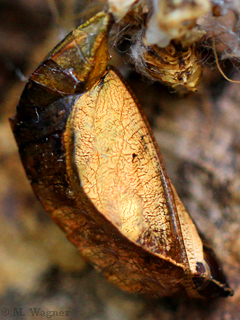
(93,163)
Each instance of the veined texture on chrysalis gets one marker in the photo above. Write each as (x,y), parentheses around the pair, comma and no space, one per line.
(93,163)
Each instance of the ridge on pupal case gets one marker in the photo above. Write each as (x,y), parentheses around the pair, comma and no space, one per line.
(60,75)
(93,163)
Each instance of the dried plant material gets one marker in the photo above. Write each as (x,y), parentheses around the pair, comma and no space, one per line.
(219,67)
(93,163)
(121,7)
(167,20)
(176,63)
(174,19)
(225,29)
(158,25)
(175,66)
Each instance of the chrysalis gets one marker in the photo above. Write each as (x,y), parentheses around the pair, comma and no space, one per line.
(93,162)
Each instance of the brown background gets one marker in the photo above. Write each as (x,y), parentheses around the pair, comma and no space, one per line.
(199,136)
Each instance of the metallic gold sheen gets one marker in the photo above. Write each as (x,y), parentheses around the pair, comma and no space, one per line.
(117,164)
(93,162)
